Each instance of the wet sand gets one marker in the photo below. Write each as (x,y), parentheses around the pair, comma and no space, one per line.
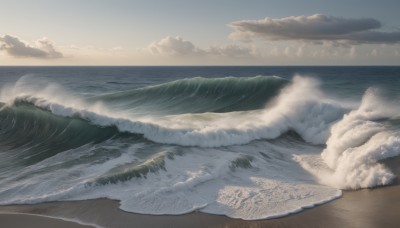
(366,208)
(378,207)
(35,221)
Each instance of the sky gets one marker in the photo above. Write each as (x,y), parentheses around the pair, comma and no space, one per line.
(207,32)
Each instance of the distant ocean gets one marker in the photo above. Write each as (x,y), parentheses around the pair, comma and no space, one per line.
(245,142)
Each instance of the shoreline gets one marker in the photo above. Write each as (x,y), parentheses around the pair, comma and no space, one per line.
(366,208)
(37,221)
(376,207)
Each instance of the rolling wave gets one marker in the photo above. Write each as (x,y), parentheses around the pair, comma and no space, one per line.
(248,148)
(34,134)
(295,109)
(197,95)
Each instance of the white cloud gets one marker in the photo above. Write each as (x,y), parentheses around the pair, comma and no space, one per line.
(303,51)
(176,46)
(44,48)
(231,50)
(173,46)
(176,50)
(317,29)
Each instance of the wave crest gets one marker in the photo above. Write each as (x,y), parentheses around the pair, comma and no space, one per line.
(299,107)
(357,143)
(197,95)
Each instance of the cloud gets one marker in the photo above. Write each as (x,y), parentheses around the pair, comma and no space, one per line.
(44,48)
(315,28)
(176,46)
(173,46)
(231,50)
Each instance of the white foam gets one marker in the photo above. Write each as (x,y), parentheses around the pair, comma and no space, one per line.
(268,198)
(202,177)
(203,180)
(303,108)
(356,144)
(299,107)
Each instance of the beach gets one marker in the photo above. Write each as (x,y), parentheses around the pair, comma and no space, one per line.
(35,221)
(363,208)
(366,208)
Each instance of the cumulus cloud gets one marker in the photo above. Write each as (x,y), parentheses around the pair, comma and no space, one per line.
(231,50)
(44,48)
(315,28)
(177,46)
(173,46)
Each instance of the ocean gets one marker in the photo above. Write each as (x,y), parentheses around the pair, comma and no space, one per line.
(245,142)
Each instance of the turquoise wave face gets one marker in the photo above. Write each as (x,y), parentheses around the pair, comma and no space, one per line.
(40,134)
(30,125)
(197,95)
(29,134)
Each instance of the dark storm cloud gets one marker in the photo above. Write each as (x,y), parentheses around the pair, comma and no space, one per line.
(314,28)
(15,47)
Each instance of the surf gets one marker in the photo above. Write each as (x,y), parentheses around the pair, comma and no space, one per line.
(304,114)
(250,148)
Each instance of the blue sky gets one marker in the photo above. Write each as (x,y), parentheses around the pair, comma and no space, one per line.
(178,32)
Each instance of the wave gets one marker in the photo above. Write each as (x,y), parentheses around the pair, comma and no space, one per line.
(251,162)
(360,135)
(32,134)
(197,95)
(358,144)
(299,108)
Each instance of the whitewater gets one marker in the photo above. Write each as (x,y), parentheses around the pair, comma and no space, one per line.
(244,145)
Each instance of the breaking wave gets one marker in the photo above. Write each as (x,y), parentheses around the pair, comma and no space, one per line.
(248,148)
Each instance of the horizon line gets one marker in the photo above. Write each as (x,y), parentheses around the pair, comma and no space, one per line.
(299,65)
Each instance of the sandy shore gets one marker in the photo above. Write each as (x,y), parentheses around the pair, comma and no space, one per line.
(35,221)
(367,208)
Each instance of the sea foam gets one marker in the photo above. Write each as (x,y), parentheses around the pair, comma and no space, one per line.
(242,164)
(356,145)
